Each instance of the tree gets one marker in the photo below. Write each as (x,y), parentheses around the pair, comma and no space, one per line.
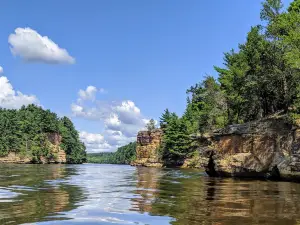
(74,148)
(207,108)
(176,141)
(271,9)
(26,130)
(165,117)
(124,155)
(151,125)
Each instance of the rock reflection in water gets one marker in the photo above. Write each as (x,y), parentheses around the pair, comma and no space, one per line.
(192,198)
(36,196)
(113,194)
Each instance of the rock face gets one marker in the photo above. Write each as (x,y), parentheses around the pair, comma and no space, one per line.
(147,149)
(269,148)
(13,157)
(59,155)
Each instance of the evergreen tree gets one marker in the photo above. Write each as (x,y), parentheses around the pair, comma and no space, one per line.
(165,118)
(25,131)
(151,125)
(257,80)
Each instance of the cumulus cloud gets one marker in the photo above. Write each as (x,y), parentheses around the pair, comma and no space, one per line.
(32,47)
(88,94)
(94,142)
(99,111)
(1,69)
(91,113)
(108,141)
(113,122)
(122,120)
(11,99)
(128,112)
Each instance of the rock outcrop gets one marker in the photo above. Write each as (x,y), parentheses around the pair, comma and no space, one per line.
(269,148)
(148,144)
(58,155)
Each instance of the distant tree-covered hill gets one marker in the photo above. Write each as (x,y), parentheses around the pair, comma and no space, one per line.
(25,131)
(124,155)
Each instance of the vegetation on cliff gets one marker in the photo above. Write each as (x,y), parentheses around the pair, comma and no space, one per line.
(124,155)
(25,131)
(258,79)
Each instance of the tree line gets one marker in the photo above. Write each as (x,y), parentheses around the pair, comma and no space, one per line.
(260,78)
(124,155)
(25,131)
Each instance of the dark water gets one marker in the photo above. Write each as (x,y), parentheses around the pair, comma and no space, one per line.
(109,194)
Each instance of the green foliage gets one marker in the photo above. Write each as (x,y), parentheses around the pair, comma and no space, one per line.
(25,132)
(151,125)
(294,7)
(124,155)
(259,79)
(206,110)
(262,77)
(176,141)
(73,147)
(165,118)
(271,9)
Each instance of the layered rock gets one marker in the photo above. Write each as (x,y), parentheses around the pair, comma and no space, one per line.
(13,157)
(58,155)
(147,148)
(269,148)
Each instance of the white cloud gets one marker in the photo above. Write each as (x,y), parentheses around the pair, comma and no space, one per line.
(113,122)
(1,69)
(122,120)
(77,109)
(108,141)
(128,112)
(11,99)
(88,94)
(99,111)
(116,138)
(93,138)
(91,113)
(94,142)
(32,47)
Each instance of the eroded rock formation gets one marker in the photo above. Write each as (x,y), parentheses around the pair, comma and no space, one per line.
(269,148)
(147,149)
(58,154)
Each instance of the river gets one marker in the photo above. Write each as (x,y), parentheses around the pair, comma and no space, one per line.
(114,194)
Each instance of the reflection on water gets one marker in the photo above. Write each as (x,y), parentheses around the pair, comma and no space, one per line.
(26,195)
(110,194)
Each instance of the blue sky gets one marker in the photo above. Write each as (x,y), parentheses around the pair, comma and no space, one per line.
(144,54)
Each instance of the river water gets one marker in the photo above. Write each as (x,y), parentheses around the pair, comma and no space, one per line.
(113,194)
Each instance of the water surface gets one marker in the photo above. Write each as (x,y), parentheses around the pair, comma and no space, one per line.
(112,194)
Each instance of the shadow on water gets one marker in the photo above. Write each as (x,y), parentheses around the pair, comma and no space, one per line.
(32,193)
(191,198)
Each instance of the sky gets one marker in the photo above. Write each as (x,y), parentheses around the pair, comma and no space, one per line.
(111,65)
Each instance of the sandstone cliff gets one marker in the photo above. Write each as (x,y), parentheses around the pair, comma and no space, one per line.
(147,149)
(58,155)
(269,148)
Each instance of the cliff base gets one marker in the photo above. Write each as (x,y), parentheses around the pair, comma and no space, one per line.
(57,155)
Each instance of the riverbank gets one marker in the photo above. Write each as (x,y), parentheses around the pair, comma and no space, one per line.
(268,148)
(32,134)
